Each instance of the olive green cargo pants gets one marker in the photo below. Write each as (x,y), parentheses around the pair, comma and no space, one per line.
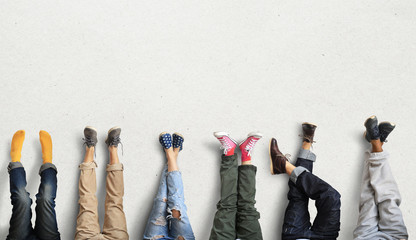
(236,216)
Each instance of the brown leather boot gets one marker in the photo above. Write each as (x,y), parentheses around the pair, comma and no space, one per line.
(308,131)
(277,159)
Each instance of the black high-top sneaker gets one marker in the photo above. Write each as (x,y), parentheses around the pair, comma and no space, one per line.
(277,159)
(90,136)
(385,129)
(308,131)
(372,131)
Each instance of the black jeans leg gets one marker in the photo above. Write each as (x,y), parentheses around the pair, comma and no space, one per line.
(327,201)
(297,219)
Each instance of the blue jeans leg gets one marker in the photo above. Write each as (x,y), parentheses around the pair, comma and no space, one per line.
(157,225)
(20,221)
(46,226)
(176,201)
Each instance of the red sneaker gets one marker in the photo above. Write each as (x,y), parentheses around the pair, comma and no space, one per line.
(227,143)
(247,145)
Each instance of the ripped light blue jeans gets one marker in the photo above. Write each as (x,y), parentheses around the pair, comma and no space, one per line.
(170,196)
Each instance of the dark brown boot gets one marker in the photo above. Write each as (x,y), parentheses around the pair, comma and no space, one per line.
(277,159)
(308,131)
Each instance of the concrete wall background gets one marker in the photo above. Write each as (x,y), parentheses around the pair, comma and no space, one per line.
(199,67)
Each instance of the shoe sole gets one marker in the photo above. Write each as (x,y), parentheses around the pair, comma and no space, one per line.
(93,128)
(222,134)
(113,128)
(270,157)
(310,123)
(255,134)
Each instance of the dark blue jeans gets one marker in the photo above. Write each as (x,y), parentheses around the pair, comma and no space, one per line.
(327,201)
(46,227)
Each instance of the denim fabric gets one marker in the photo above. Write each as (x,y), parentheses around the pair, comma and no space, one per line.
(170,196)
(327,201)
(20,223)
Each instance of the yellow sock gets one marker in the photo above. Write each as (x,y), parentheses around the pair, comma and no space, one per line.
(17,144)
(46,143)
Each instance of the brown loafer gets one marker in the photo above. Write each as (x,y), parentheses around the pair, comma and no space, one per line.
(308,131)
(277,159)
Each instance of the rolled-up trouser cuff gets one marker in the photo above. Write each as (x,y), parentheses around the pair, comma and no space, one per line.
(87,165)
(296,173)
(377,156)
(307,154)
(13,165)
(46,166)
(115,167)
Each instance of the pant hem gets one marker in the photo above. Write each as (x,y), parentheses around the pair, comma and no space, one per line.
(296,173)
(13,165)
(46,166)
(307,155)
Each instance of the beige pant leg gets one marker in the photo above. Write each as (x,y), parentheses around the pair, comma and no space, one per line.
(88,226)
(115,226)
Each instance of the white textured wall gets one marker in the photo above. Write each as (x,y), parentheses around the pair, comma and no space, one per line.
(197,67)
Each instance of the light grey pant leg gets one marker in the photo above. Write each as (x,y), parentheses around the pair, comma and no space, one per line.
(367,226)
(379,184)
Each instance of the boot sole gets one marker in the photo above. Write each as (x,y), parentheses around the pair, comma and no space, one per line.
(270,158)
(310,123)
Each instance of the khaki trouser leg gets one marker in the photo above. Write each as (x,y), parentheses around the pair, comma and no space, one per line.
(87,221)
(115,226)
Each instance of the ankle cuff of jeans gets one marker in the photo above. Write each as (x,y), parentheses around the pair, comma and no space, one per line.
(307,154)
(46,166)
(296,173)
(13,165)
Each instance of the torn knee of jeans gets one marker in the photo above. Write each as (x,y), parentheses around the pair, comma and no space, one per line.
(157,237)
(164,199)
(161,221)
(180,238)
(174,213)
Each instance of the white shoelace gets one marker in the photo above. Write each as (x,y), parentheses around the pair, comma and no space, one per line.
(224,145)
(250,145)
